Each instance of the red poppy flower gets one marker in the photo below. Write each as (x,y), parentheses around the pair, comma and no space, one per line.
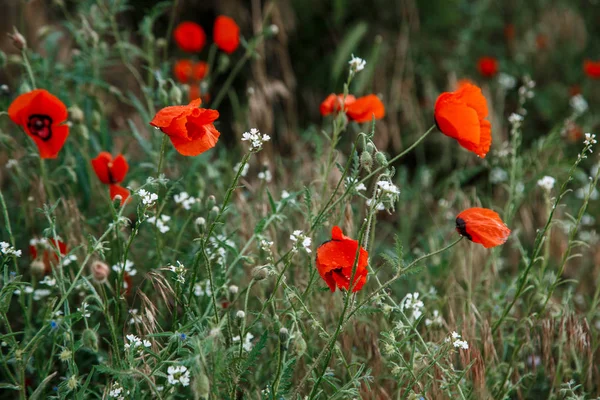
(333,103)
(185,70)
(336,258)
(365,108)
(48,254)
(592,68)
(190,128)
(483,226)
(190,37)
(461,114)
(226,34)
(487,66)
(108,169)
(41,115)
(116,190)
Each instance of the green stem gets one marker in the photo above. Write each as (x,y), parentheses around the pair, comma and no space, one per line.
(161,157)
(28,67)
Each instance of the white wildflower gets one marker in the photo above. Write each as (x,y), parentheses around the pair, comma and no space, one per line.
(506,81)
(546,183)
(83,310)
(412,303)
(356,64)
(590,139)
(161,223)
(256,139)
(515,119)
(148,198)
(135,317)
(127,268)
(179,272)
(247,341)
(11,163)
(300,239)
(436,320)
(178,375)
(202,291)
(579,104)
(7,250)
(265,176)
(498,175)
(185,200)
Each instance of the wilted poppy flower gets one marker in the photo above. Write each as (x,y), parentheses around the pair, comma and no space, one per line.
(45,250)
(226,34)
(461,115)
(108,169)
(336,258)
(333,103)
(483,226)
(41,115)
(190,128)
(365,108)
(189,36)
(186,71)
(487,66)
(592,68)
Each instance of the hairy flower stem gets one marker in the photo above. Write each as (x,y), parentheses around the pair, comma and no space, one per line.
(161,157)
(27,66)
(202,252)
(539,241)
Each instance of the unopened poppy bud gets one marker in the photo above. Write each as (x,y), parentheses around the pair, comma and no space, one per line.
(4,89)
(96,120)
(202,386)
(37,268)
(381,159)
(299,346)
(259,273)
(274,29)
(214,212)
(284,335)
(100,271)
(233,289)
(163,96)
(366,161)
(175,95)
(200,221)
(211,201)
(76,114)
(240,314)
(18,40)
(370,148)
(82,130)
(161,43)
(90,340)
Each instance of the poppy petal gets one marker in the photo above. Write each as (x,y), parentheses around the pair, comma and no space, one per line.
(473,98)
(206,140)
(16,110)
(365,108)
(456,120)
(100,165)
(119,168)
(226,34)
(51,147)
(165,116)
(116,190)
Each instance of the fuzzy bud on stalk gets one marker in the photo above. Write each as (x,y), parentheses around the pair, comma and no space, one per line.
(37,268)
(366,161)
(77,115)
(100,271)
(202,386)
(381,159)
(18,40)
(90,340)
(175,94)
(259,273)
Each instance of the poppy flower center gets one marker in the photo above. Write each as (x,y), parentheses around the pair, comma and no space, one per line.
(40,126)
(461,227)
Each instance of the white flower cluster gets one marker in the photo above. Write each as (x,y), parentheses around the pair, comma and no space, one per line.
(578,104)
(161,223)
(546,183)
(247,341)
(178,375)
(179,271)
(136,343)
(300,239)
(352,182)
(256,139)
(436,319)
(458,342)
(200,291)
(136,318)
(498,175)
(11,163)
(84,310)
(590,139)
(68,259)
(117,392)
(411,302)
(386,194)
(356,64)
(185,200)
(515,119)
(265,175)
(506,81)
(7,250)
(218,248)
(148,198)
(128,267)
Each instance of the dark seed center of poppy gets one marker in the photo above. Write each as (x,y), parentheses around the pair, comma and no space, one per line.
(461,227)
(41,126)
